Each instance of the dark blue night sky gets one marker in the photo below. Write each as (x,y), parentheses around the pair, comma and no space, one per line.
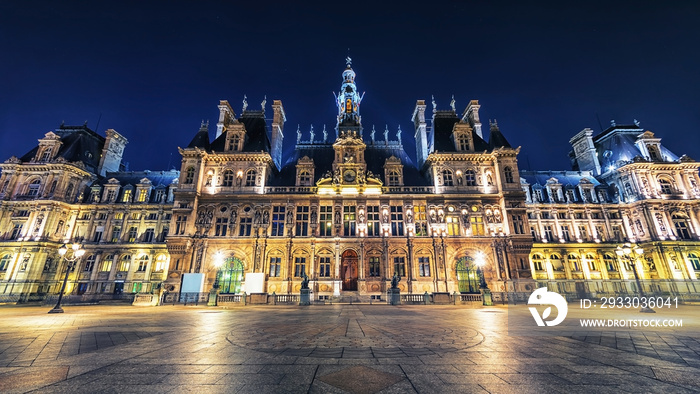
(154,70)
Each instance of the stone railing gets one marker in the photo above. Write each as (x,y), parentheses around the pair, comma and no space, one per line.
(224,299)
(290,189)
(409,189)
(285,299)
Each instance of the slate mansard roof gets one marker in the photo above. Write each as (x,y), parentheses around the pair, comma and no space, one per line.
(79,144)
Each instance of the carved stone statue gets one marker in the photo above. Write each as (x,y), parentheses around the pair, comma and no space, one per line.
(298,134)
(325,134)
(395,280)
(305,281)
(312,134)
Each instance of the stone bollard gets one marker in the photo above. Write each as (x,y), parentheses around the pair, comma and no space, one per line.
(426,298)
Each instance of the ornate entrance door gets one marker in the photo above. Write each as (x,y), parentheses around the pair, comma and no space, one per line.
(348,270)
(468,281)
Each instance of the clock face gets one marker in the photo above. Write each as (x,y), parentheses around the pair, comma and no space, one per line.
(349,175)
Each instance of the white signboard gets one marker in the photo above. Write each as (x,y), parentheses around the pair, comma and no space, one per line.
(254,282)
(192,283)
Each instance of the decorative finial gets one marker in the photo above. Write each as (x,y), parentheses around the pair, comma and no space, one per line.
(263,103)
(312,134)
(348,61)
(371,134)
(325,134)
(245,103)
(434,103)
(452,103)
(637,123)
(612,123)
(398,134)
(298,134)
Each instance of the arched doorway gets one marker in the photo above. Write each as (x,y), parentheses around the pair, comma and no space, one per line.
(230,276)
(467,278)
(348,270)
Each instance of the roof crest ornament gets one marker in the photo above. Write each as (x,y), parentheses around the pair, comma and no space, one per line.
(312,134)
(612,123)
(262,104)
(298,134)
(348,61)
(398,134)
(325,134)
(637,123)
(386,134)
(434,104)
(245,103)
(452,103)
(371,134)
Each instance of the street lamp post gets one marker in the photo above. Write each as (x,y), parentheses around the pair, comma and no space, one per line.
(480,261)
(631,253)
(76,252)
(214,292)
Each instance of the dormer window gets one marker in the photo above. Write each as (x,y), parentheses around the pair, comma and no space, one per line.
(143,195)
(126,197)
(463,142)
(304,178)
(46,155)
(653,153)
(234,143)
(394,178)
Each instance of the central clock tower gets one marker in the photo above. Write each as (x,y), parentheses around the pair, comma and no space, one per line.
(349,164)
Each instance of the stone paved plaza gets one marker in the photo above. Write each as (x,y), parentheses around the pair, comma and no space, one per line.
(333,349)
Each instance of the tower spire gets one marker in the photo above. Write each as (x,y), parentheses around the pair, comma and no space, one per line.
(348,102)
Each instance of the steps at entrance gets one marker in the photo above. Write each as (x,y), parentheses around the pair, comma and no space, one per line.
(350,297)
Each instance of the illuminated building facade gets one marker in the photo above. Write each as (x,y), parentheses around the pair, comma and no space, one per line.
(348,208)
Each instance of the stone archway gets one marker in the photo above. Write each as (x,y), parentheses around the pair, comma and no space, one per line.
(348,270)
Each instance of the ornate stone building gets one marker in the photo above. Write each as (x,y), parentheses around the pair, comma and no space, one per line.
(348,208)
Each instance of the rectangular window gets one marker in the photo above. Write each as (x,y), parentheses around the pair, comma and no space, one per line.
(142,265)
(548,235)
(275,266)
(299,266)
(420,220)
(562,215)
(149,235)
(452,225)
(424,266)
(565,233)
(477,224)
(180,224)
(600,230)
(400,266)
(116,233)
(133,232)
(326,218)
(126,197)
(221,227)
(544,215)
(518,226)
(111,195)
(135,216)
(324,267)
(244,227)
(16,231)
(373,226)
(278,215)
(583,233)
(302,222)
(617,233)
(152,216)
(89,263)
(374,266)
(396,220)
(98,235)
(349,222)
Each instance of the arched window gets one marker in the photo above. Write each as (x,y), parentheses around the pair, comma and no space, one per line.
(125,263)
(89,263)
(537,262)
(694,261)
(447,178)
(508,174)
(230,276)
(69,192)
(250,177)
(304,178)
(665,185)
(143,263)
(591,262)
(628,189)
(189,175)
(470,178)
(467,279)
(33,188)
(681,224)
(228,178)
(574,262)
(394,178)
(556,262)
(610,262)
(5,262)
